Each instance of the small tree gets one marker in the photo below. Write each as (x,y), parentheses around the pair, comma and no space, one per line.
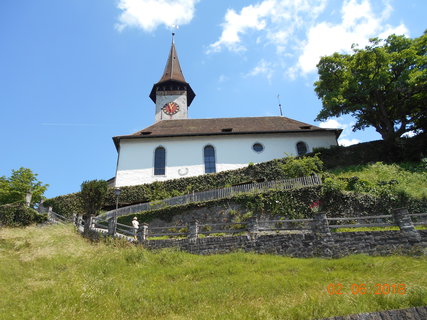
(93,194)
(21,182)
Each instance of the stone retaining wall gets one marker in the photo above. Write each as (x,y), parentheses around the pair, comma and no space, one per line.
(417,313)
(303,245)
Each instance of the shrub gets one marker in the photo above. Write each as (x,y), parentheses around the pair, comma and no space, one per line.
(92,195)
(295,167)
(18,215)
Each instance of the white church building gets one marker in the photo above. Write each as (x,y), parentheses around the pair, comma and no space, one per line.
(176,146)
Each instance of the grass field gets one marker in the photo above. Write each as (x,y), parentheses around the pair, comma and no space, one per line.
(52,273)
(411,177)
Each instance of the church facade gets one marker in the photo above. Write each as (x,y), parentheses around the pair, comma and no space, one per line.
(176,146)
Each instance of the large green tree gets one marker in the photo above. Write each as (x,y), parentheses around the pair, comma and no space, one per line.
(383,85)
(22,181)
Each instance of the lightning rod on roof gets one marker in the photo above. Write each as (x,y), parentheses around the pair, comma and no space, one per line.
(280,105)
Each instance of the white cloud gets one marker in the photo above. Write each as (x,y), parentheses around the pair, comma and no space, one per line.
(262,68)
(358,23)
(149,14)
(250,17)
(303,31)
(222,78)
(334,124)
(277,19)
(347,142)
(409,134)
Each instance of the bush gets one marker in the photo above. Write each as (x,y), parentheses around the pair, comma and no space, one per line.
(295,167)
(92,195)
(407,149)
(266,171)
(18,215)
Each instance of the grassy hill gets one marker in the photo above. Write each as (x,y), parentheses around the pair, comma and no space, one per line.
(409,177)
(53,273)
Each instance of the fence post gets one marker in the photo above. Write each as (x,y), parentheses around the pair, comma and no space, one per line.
(403,220)
(142,232)
(111,226)
(193,230)
(320,225)
(49,213)
(322,233)
(253,228)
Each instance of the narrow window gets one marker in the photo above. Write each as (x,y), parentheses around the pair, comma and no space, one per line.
(209,155)
(159,161)
(301,148)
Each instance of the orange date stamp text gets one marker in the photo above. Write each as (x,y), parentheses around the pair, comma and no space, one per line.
(362,288)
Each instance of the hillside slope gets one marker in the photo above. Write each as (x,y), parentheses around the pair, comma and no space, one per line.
(53,273)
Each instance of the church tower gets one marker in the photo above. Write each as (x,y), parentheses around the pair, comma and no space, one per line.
(172,94)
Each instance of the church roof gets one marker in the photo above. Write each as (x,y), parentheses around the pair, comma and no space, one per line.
(223,126)
(173,74)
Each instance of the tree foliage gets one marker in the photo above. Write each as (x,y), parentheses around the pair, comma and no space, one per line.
(93,194)
(383,85)
(21,182)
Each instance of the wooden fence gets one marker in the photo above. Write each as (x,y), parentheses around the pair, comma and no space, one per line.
(215,194)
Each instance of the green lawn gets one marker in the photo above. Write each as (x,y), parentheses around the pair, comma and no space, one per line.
(52,273)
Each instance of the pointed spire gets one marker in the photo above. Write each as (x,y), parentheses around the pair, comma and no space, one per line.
(173,75)
(173,69)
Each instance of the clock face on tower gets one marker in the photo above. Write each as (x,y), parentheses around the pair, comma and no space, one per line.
(170,108)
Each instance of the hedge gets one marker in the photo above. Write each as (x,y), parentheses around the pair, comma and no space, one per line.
(408,149)
(18,215)
(266,171)
(295,204)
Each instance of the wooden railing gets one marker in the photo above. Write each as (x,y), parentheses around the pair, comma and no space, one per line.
(253,226)
(361,222)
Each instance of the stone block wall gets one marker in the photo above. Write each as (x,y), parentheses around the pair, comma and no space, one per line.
(301,245)
(416,313)
(319,242)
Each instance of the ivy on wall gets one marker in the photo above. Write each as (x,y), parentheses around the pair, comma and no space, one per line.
(294,204)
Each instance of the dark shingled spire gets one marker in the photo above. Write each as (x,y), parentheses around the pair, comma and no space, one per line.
(173,77)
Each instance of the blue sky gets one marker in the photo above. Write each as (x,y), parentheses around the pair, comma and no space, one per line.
(76,73)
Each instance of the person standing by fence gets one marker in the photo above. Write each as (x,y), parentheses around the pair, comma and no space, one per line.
(135,224)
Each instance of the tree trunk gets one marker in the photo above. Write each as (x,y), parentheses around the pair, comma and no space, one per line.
(87,220)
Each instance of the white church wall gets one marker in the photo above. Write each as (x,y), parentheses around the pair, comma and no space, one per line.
(184,155)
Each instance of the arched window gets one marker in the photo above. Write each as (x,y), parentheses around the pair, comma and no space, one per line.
(159,161)
(209,155)
(301,148)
